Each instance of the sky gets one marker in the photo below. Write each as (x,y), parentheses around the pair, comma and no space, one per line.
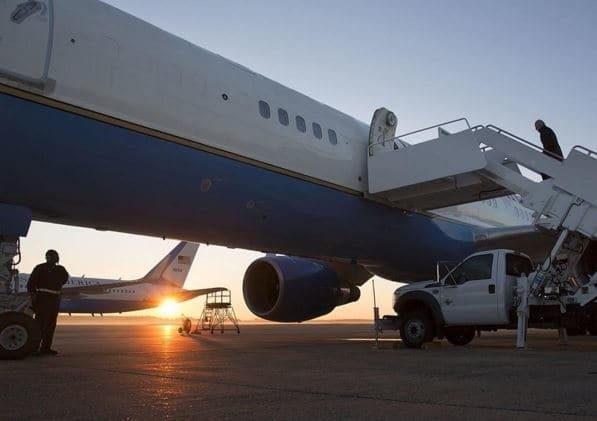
(505,63)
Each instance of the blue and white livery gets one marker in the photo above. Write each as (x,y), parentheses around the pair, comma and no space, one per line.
(164,282)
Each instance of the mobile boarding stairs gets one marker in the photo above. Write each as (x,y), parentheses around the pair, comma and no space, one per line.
(483,162)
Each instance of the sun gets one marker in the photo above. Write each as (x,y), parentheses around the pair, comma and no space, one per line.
(169,308)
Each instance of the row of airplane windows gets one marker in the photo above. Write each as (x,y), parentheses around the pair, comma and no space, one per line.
(301,125)
(124,291)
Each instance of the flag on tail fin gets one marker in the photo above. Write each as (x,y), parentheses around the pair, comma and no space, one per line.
(174,268)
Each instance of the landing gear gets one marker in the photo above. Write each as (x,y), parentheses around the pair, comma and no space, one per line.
(19,335)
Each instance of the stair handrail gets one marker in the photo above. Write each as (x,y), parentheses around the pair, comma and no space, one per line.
(435,126)
(404,144)
(588,151)
(526,142)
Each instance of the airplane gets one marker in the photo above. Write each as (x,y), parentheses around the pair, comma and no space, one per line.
(126,127)
(161,284)
(497,212)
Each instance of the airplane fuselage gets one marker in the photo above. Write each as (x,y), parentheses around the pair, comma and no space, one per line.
(125,127)
(125,298)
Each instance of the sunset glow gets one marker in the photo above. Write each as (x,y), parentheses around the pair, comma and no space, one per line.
(169,308)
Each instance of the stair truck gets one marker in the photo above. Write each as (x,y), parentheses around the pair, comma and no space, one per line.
(489,290)
(496,288)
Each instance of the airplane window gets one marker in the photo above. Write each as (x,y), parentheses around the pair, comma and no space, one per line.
(332,137)
(283,116)
(264,109)
(300,124)
(317,131)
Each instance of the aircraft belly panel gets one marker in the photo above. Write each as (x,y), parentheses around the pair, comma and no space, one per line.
(76,170)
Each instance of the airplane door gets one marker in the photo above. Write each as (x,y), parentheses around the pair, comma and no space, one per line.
(468,295)
(25,40)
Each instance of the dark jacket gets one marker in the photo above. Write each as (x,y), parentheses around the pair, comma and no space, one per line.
(550,142)
(47,275)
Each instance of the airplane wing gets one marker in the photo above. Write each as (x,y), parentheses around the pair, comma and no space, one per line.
(534,242)
(184,295)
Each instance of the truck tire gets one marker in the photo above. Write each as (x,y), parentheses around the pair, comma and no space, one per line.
(459,336)
(416,328)
(19,335)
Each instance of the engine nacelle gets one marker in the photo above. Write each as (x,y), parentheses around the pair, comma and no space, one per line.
(293,289)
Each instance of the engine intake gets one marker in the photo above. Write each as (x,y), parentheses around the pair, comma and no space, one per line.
(293,289)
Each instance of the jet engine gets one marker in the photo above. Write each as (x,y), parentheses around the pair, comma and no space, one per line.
(293,289)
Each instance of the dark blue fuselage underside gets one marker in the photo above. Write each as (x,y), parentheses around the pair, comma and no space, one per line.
(82,305)
(75,170)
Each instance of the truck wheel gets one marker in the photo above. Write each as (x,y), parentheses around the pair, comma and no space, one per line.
(416,328)
(459,335)
(19,335)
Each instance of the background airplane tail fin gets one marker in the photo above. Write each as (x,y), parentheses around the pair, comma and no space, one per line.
(174,267)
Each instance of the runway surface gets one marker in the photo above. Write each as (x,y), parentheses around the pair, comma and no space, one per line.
(308,371)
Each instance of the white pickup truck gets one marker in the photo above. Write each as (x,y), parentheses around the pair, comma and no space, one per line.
(480,293)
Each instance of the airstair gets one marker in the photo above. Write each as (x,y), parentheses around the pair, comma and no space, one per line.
(482,162)
(217,311)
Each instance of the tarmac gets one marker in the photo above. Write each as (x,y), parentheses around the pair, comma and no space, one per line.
(299,371)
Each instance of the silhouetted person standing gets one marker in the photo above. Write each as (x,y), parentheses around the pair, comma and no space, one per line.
(550,142)
(45,286)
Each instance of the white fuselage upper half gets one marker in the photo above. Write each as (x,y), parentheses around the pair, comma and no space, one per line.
(101,59)
(107,61)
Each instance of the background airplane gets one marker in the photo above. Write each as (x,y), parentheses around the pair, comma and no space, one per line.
(162,284)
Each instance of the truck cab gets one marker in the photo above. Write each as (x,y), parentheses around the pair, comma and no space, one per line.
(478,293)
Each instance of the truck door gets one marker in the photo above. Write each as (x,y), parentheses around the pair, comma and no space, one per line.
(25,40)
(468,295)
(516,265)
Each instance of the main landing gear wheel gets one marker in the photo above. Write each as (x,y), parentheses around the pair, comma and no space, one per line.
(416,328)
(460,335)
(19,335)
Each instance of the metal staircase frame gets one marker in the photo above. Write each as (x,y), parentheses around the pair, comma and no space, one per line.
(482,162)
